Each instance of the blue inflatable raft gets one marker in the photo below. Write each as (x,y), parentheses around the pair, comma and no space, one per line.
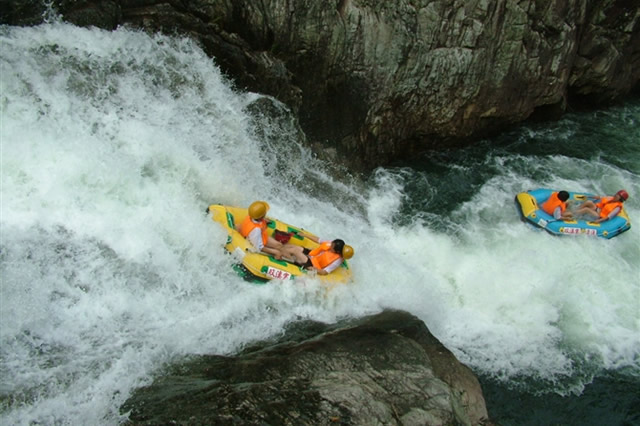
(529,202)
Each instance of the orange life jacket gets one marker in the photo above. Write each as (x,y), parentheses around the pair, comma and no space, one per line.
(606,206)
(249,225)
(322,256)
(552,203)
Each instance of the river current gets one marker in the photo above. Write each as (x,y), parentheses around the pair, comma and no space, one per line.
(114,143)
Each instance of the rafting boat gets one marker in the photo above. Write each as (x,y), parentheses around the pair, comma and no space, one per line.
(260,267)
(529,206)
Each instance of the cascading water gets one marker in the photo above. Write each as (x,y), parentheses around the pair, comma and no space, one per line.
(114,143)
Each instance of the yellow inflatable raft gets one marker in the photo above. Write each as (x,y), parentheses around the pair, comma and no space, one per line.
(260,267)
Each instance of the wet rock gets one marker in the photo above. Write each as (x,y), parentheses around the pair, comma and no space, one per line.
(380,81)
(383,369)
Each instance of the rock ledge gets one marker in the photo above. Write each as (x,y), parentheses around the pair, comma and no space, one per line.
(382,369)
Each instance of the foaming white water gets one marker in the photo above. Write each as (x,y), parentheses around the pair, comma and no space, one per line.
(512,301)
(114,143)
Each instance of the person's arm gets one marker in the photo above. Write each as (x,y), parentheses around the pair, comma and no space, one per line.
(309,236)
(611,215)
(558,214)
(331,267)
(255,238)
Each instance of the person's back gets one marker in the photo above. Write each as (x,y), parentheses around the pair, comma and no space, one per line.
(254,229)
(556,205)
(325,258)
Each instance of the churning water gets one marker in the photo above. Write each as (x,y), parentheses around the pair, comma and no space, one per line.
(114,143)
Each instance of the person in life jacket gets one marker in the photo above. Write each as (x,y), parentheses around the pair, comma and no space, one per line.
(556,206)
(254,229)
(325,258)
(604,208)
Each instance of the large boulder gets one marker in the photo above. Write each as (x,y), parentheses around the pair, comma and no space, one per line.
(383,369)
(380,81)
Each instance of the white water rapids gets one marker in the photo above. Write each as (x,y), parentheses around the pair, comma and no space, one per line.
(112,146)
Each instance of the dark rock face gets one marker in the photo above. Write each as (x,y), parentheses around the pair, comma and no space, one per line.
(382,80)
(384,369)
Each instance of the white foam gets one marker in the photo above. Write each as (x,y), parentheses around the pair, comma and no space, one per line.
(112,146)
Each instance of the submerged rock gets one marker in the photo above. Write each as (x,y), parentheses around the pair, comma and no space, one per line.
(383,369)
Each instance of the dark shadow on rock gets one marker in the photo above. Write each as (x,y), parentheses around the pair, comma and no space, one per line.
(382,369)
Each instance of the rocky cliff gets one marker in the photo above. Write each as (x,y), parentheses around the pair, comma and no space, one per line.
(384,369)
(380,80)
